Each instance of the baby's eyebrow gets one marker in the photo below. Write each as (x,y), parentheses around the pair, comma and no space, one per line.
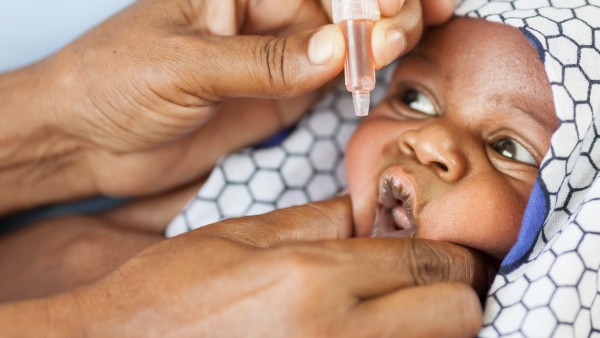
(419,55)
(543,118)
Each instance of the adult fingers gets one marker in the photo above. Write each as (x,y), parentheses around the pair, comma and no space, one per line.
(330,219)
(375,266)
(397,32)
(370,266)
(437,12)
(433,310)
(263,66)
(402,24)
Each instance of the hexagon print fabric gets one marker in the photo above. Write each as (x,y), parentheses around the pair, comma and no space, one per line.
(548,285)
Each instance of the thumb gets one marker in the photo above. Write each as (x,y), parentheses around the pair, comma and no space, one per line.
(266,66)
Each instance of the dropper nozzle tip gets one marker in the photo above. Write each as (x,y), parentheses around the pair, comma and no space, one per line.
(361,100)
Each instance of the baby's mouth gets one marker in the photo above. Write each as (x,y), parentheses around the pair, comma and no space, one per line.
(394,218)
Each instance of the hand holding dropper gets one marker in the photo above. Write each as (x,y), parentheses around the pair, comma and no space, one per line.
(356,18)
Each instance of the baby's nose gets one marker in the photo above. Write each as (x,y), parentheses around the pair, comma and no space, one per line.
(438,147)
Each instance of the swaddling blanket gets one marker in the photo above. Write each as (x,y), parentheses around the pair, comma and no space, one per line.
(548,285)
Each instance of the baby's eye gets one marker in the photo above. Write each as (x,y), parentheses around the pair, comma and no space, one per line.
(418,101)
(513,150)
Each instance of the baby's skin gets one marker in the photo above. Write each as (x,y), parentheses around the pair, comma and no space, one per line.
(453,152)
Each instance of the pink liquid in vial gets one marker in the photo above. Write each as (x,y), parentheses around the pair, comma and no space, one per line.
(360,68)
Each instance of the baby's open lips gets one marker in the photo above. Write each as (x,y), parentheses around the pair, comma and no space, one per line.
(393,217)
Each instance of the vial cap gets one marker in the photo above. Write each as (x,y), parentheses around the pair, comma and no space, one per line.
(355,10)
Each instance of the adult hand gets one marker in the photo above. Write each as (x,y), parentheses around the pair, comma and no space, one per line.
(402,24)
(257,276)
(136,97)
(129,108)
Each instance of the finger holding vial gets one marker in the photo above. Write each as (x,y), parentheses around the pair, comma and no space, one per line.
(390,28)
(356,18)
(401,26)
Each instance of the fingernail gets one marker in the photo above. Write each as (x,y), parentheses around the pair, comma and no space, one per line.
(320,46)
(395,45)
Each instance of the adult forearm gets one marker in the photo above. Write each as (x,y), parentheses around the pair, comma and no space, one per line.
(39,161)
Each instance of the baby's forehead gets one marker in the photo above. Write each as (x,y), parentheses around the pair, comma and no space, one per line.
(467,49)
(471,37)
(491,64)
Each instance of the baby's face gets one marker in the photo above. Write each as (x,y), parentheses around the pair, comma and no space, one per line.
(453,152)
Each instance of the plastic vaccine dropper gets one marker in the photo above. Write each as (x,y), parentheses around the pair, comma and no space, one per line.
(356,18)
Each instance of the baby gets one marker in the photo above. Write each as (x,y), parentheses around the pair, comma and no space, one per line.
(453,151)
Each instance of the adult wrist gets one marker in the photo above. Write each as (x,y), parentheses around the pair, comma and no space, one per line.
(40,162)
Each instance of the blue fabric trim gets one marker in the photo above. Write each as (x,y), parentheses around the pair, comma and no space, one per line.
(533,221)
(536,43)
(537,207)
(92,205)
(275,140)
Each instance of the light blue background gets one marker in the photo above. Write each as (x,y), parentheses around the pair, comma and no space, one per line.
(31,30)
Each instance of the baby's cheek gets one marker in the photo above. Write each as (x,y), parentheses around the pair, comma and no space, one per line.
(483,218)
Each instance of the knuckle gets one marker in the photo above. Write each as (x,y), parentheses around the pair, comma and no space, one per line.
(427,264)
(258,232)
(270,55)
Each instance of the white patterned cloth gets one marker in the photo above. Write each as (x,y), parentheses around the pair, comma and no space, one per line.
(548,285)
